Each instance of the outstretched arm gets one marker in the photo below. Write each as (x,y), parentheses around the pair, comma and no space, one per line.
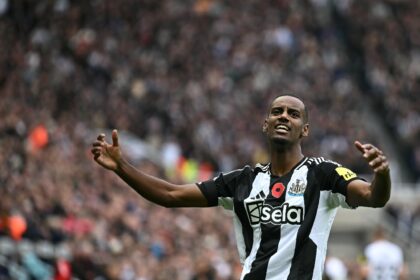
(376,193)
(153,189)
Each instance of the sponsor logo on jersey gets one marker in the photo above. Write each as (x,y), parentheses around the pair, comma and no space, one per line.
(298,188)
(258,212)
(346,173)
(254,210)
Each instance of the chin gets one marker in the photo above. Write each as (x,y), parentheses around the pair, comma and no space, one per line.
(280,141)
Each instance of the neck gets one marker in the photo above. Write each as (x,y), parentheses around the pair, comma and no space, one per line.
(283,159)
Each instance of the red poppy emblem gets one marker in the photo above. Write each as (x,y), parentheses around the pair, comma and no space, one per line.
(277,190)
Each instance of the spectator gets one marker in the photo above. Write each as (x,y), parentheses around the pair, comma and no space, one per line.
(384,260)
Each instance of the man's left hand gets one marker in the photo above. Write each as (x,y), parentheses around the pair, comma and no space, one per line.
(374,156)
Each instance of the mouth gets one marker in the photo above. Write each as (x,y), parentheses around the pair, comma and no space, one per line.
(282,128)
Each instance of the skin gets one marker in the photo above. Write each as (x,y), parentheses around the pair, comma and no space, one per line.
(154,189)
(285,153)
(285,146)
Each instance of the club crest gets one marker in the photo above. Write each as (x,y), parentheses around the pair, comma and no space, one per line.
(298,188)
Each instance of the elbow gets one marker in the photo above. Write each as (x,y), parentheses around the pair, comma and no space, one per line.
(166,204)
(380,204)
(164,200)
(169,200)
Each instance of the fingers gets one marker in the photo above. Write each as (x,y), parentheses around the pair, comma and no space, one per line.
(368,150)
(374,156)
(372,153)
(98,145)
(96,155)
(101,137)
(115,138)
(359,146)
(96,150)
(380,165)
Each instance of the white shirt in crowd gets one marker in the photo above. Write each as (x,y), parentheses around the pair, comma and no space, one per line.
(385,260)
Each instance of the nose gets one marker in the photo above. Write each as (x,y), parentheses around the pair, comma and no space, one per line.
(284,116)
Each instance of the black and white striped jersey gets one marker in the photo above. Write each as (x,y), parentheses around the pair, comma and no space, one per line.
(282,223)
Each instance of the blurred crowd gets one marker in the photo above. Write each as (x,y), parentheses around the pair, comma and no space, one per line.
(192,79)
(385,35)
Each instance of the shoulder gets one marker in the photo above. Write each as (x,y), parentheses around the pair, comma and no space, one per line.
(261,167)
(238,173)
(320,163)
(388,245)
(394,247)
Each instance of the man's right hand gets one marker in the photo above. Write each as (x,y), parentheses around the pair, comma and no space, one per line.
(107,155)
(151,188)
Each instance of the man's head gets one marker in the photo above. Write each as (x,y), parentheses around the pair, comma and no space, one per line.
(287,120)
(379,233)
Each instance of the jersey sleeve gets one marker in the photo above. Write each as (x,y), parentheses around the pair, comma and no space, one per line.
(335,178)
(220,190)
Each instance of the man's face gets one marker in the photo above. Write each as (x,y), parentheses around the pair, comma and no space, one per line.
(286,120)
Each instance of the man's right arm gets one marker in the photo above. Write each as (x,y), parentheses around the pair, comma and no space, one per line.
(153,189)
(160,191)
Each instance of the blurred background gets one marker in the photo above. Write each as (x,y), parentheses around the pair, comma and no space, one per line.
(187,84)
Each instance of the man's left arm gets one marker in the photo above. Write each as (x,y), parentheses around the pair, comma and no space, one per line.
(376,193)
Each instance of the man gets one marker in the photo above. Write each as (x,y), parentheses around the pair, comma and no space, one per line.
(385,260)
(283,210)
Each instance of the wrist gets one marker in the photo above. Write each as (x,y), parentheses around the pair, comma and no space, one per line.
(121,165)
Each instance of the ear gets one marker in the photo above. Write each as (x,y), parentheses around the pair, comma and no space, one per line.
(265,126)
(305,130)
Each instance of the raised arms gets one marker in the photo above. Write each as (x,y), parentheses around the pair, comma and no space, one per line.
(153,189)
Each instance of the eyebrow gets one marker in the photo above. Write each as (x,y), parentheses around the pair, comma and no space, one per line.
(288,108)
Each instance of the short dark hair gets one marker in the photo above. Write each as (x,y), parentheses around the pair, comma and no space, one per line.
(306,113)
